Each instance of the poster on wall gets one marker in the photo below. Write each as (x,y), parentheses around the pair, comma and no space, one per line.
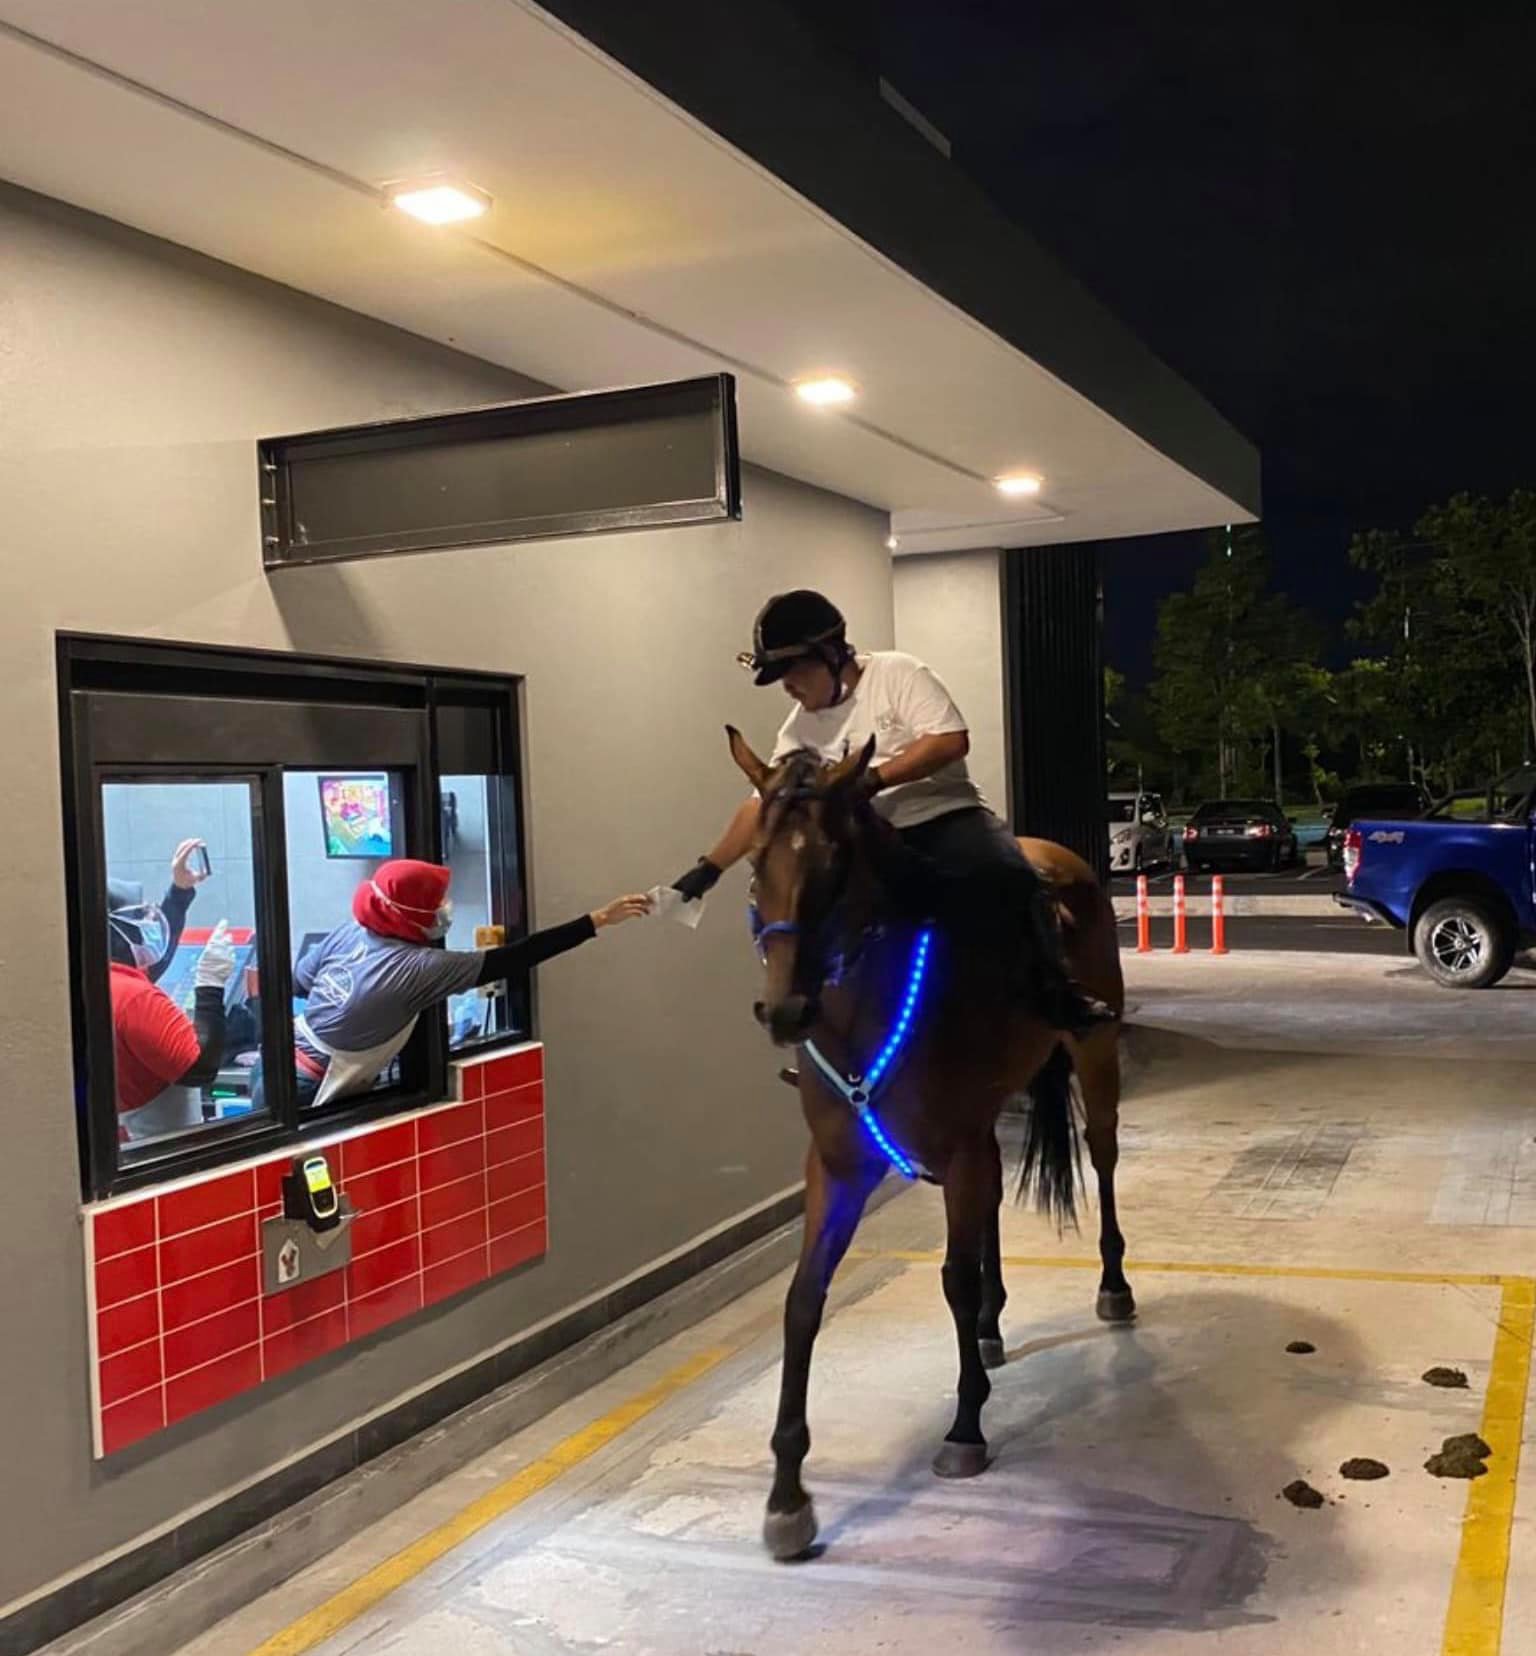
(356,813)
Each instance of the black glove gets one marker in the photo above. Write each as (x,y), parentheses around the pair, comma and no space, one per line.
(698,882)
(870,783)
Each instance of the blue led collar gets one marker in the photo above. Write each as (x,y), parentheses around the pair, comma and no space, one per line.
(859,1090)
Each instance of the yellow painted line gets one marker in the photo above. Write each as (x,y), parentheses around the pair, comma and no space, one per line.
(1475,1621)
(371,1589)
(1321,1273)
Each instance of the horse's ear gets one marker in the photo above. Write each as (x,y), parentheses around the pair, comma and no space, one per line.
(849,770)
(751,767)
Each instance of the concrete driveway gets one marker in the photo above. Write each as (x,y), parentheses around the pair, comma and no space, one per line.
(1331,1003)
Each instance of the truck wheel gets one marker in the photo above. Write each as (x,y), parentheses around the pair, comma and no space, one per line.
(1463,944)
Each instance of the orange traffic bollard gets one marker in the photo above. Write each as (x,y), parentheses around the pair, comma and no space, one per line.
(1143,916)
(1180,917)
(1218,916)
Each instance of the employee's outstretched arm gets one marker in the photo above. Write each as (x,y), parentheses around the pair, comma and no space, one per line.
(512,959)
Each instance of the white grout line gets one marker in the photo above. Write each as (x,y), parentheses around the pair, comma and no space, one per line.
(223,1357)
(160,1320)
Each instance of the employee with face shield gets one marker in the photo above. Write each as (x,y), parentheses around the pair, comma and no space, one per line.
(368,982)
(161,1057)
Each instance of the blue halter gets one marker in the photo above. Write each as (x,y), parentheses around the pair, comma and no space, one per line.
(858,1091)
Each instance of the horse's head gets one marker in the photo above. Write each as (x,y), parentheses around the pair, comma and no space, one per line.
(803,870)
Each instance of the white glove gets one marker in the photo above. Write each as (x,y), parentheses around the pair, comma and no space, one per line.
(216,964)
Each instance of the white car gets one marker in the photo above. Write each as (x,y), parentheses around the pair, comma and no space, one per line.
(1139,835)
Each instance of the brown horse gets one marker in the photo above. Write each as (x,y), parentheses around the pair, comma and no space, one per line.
(911,1045)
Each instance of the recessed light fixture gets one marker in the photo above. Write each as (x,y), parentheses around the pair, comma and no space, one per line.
(891,543)
(826,390)
(438,200)
(1019,483)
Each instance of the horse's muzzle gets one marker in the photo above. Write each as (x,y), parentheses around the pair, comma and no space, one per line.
(790,1020)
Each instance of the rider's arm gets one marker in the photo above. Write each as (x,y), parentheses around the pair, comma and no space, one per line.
(922,758)
(731,847)
(736,841)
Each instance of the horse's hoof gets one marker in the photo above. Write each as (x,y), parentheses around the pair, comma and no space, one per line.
(789,1535)
(960,1460)
(1116,1307)
(993,1353)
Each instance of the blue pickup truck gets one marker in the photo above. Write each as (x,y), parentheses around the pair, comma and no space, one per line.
(1462,886)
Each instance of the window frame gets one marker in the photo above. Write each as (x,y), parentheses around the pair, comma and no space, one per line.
(95,665)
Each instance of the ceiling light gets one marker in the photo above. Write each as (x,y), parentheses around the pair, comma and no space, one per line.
(891,543)
(439,200)
(827,391)
(1021,483)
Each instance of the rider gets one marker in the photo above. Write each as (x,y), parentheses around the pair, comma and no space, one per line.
(918,780)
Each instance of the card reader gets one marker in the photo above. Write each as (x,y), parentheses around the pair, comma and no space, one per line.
(310,1194)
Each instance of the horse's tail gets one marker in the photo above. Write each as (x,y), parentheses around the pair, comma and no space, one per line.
(1051,1163)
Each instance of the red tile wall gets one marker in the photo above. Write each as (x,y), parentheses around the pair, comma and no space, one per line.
(445,1201)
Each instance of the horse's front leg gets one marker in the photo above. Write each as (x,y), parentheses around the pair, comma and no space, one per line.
(832,1211)
(973,1192)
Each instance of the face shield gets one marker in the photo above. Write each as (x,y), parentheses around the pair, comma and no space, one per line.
(141,933)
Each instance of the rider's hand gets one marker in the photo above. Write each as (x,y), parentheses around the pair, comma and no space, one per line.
(620,910)
(698,882)
(183,876)
(870,783)
(216,964)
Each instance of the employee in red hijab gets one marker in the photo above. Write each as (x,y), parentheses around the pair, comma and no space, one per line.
(367,983)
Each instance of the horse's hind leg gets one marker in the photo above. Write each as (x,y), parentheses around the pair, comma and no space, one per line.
(832,1213)
(973,1191)
(994,1296)
(1097,1058)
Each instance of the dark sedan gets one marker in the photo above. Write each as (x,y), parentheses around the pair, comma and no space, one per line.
(1373,802)
(1240,833)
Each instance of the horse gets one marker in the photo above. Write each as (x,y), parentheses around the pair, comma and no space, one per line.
(910,1045)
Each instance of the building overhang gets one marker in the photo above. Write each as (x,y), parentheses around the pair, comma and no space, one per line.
(649,222)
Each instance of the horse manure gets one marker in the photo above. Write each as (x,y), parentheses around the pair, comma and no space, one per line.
(1301,1348)
(1451,1379)
(1460,1457)
(1302,1494)
(1364,1468)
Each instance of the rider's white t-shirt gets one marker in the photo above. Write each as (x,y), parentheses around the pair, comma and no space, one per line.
(897,700)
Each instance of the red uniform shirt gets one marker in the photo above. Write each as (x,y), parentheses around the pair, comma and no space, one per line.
(153,1041)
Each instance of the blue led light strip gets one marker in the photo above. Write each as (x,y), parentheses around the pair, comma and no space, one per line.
(860,1090)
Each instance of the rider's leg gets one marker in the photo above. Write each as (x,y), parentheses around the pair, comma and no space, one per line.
(988,891)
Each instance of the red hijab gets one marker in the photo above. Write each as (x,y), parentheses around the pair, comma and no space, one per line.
(402,899)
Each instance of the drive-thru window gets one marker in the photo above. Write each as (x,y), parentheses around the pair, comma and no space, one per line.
(221,809)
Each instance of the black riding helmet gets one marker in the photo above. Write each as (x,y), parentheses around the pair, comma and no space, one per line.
(796,626)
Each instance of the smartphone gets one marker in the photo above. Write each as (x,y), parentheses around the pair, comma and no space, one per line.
(198,862)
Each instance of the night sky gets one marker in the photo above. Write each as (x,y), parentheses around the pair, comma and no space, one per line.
(1319,215)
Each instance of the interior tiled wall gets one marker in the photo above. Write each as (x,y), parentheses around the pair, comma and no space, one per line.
(445,1199)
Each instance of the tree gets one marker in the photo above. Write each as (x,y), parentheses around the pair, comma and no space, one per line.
(1231,657)
(1452,632)
(1491,551)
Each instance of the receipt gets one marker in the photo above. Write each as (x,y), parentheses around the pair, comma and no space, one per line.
(671,905)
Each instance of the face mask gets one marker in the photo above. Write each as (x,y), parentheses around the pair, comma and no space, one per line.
(442,916)
(143,931)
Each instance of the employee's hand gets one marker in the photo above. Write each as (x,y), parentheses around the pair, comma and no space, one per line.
(216,964)
(182,874)
(698,882)
(620,910)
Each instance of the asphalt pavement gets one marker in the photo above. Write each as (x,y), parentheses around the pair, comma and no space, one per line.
(1325,934)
